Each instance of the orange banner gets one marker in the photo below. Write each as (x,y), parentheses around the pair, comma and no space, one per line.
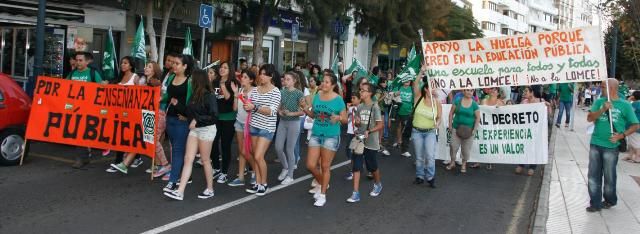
(115,117)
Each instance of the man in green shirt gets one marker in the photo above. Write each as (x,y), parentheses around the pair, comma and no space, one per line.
(623,90)
(603,152)
(86,74)
(566,102)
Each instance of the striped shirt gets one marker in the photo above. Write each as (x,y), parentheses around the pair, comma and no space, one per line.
(270,99)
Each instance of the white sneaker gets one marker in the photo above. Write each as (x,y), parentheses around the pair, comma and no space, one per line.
(315,190)
(446,162)
(287,180)
(317,195)
(386,152)
(406,154)
(283,174)
(314,183)
(322,199)
(111,170)
(222,179)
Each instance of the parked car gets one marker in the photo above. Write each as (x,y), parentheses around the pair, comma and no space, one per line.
(15,105)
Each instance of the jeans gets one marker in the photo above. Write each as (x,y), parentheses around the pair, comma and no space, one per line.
(602,162)
(178,131)
(286,138)
(564,105)
(385,135)
(425,144)
(296,151)
(222,144)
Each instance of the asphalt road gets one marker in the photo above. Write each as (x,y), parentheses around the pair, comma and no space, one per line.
(47,195)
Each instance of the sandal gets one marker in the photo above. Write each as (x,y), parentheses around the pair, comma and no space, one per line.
(531,172)
(463,170)
(450,167)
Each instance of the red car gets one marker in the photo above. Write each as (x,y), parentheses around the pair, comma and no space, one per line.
(15,105)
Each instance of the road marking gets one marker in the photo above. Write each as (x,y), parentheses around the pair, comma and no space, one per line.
(54,158)
(228,205)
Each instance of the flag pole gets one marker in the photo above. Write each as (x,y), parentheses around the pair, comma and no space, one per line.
(427,81)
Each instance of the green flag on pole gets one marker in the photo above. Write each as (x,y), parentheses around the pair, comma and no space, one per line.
(409,72)
(188,46)
(357,66)
(138,48)
(412,53)
(336,70)
(109,66)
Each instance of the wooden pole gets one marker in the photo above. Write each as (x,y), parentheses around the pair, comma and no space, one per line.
(433,108)
(24,150)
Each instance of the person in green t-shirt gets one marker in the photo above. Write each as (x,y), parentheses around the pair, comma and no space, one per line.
(288,129)
(623,90)
(566,102)
(603,152)
(552,93)
(404,111)
(464,112)
(83,72)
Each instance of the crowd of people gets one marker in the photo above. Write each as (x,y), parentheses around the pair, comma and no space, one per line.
(203,111)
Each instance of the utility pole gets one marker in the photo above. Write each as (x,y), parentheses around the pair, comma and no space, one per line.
(37,67)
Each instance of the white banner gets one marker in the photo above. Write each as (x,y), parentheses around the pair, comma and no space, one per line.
(572,55)
(515,134)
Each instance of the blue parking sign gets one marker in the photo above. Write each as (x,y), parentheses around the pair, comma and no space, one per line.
(206,16)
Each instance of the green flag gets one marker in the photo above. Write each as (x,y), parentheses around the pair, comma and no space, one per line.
(109,66)
(374,79)
(188,47)
(138,48)
(409,72)
(357,66)
(412,53)
(336,70)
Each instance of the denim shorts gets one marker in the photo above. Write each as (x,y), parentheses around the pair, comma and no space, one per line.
(207,133)
(261,133)
(238,126)
(328,142)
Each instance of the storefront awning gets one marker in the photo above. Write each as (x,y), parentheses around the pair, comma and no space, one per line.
(91,16)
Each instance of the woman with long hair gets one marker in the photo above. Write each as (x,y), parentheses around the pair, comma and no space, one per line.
(464,118)
(175,101)
(531,95)
(247,82)
(153,77)
(493,98)
(426,119)
(128,77)
(288,129)
(328,110)
(202,112)
(227,118)
(264,117)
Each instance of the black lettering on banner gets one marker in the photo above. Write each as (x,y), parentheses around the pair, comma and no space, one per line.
(116,124)
(102,138)
(53,120)
(123,141)
(138,136)
(98,97)
(91,128)
(67,133)
(50,88)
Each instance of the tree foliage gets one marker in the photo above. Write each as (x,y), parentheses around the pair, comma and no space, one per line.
(625,16)
(397,21)
(458,25)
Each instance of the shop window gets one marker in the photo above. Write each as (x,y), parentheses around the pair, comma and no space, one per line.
(488,26)
(300,53)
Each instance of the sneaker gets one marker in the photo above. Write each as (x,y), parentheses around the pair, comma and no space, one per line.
(592,209)
(315,190)
(106,153)
(80,163)
(316,195)
(377,189)
(418,181)
(175,194)
(111,170)
(395,145)
(369,175)
(607,205)
(314,183)
(152,169)
(170,187)
(162,170)
(386,152)
(283,174)
(349,176)
(322,199)
(236,182)
(120,167)
(222,179)
(262,190)
(406,154)
(287,180)
(216,173)
(432,183)
(253,189)
(253,178)
(137,162)
(355,197)
(166,177)
(206,194)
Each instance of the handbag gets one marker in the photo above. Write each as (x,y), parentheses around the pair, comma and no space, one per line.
(357,143)
(622,147)
(406,131)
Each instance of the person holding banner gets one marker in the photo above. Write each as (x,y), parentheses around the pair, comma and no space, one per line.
(426,119)
(202,112)
(83,72)
(153,73)
(464,117)
(529,96)
(175,102)
(613,119)
(264,117)
(329,111)
(247,82)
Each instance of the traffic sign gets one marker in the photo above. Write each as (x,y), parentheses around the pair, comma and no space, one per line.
(338,27)
(206,16)
(295,29)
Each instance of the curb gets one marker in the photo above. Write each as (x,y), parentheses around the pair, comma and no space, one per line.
(541,213)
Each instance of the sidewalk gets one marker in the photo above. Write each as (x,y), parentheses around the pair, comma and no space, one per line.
(568,196)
